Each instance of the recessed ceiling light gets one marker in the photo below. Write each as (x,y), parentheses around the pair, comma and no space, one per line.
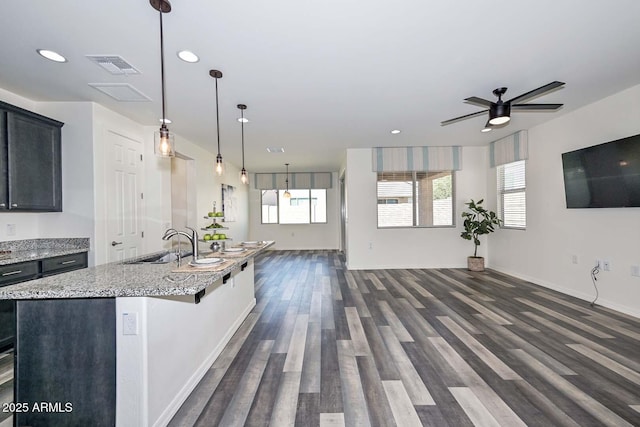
(243,120)
(275,150)
(51,55)
(396,131)
(165,121)
(188,56)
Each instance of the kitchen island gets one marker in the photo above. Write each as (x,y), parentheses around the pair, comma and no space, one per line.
(124,343)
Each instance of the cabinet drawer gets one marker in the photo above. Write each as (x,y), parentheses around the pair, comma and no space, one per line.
(63,263)
(20,272)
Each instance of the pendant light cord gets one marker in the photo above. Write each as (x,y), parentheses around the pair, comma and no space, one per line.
(164,122)
(242,130)
(217,117)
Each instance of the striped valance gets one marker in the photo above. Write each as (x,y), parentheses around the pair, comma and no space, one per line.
(297,180)
(408,159)
(509,149)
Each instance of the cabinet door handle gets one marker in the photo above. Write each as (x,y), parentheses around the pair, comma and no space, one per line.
(68,262)
(3,205)
(15,205)
(11,273)
(114,243)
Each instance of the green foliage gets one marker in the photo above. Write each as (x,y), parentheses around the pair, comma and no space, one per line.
(442,187)
(478,221)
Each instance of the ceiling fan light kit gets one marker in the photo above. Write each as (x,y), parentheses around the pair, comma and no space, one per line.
(500,111)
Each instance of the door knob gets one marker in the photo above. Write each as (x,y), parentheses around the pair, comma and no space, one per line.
(114,243)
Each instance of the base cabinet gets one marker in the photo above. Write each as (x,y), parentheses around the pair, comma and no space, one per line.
(65,371)
(23,271)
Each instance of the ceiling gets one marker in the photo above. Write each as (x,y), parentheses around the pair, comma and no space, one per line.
(320,77)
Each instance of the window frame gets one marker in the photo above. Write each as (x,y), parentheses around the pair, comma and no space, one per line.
(278,215)
(413,198)
(501,192)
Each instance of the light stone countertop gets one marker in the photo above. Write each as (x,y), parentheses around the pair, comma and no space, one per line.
(37,249)
(122,280)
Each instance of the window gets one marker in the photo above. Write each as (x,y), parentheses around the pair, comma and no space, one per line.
(303,207)
(415,199)
(512,201)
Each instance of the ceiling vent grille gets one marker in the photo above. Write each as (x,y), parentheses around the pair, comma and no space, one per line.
(114,64)
(122,92)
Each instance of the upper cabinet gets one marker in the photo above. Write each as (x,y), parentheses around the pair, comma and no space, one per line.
(30,161)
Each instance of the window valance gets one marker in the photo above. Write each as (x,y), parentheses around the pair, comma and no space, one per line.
(509,149)
(297,180)
(419,159)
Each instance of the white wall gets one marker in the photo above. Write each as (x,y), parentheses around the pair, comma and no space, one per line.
(369,247)
(543,253)
(297,236)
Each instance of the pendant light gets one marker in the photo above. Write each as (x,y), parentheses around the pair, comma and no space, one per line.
(219,167)
(243,174)
(286,194)
(164,141)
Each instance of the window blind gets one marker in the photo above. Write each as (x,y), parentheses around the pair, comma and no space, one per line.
(509,149)
(297,180)
(416,159)
(512,201)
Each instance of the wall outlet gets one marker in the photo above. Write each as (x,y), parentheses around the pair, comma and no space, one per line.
(599,263)
(370,245)
(574,259)
(11,229)
(606,265)
(635,270)
(129,323)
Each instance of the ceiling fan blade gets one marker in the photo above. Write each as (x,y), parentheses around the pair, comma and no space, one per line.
(468,116)
(535,106)
(536,92)
(478,101)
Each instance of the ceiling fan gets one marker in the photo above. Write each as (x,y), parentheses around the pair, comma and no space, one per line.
(500,111)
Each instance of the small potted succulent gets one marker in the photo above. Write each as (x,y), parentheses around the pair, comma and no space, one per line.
(477,221)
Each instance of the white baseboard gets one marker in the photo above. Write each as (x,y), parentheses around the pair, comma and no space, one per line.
(190,385)
(571,292)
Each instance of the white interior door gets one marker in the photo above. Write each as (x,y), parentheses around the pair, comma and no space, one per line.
(124,197)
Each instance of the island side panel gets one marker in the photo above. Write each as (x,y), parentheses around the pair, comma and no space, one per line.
(65,361)
(178,341)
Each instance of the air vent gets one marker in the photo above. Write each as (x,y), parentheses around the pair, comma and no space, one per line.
(275,150)
(123,92)
(114,64)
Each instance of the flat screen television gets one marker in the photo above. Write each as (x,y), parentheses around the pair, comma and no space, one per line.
(603,176)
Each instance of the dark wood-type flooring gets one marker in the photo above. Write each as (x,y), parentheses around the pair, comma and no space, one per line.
(325,346)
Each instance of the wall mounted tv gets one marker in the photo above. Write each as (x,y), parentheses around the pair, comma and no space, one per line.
(603,176)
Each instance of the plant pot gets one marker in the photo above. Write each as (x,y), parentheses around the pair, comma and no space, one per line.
(475,263)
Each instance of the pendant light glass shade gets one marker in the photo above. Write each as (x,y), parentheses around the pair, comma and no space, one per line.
(286,193)
(219,165)
(243,173)
(164,141)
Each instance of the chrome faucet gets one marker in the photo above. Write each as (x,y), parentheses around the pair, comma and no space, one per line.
(193,238)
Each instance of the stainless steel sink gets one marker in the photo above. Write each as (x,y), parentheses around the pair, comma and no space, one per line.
(162,258)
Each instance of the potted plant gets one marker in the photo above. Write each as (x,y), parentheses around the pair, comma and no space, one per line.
(477,221)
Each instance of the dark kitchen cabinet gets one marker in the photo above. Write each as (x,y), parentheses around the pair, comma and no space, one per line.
(21,272)
(30,161)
